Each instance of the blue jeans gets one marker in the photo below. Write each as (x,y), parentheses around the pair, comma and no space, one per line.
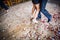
(2,5)
(43,10)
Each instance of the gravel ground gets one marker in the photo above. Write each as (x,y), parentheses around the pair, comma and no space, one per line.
(16,24)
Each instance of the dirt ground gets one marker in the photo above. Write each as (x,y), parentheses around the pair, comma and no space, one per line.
(16,24)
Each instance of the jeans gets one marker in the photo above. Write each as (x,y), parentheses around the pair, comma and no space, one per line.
(2,5)
(43,10)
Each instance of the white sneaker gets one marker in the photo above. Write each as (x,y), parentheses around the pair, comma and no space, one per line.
(32,16)
(35,21)
(7,11)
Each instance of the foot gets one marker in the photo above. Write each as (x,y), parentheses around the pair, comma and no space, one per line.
(35,21)
(31,19)
(32,16)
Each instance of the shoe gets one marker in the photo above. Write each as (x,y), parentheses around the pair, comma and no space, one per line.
(49,19)
(35,21)
(38,18)
(7,11)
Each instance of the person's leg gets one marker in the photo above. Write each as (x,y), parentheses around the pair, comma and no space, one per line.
(36,13)
(44,11)
(39,15)
(37,10)
(33,11)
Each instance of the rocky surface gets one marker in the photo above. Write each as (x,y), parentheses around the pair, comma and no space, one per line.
(16,24)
